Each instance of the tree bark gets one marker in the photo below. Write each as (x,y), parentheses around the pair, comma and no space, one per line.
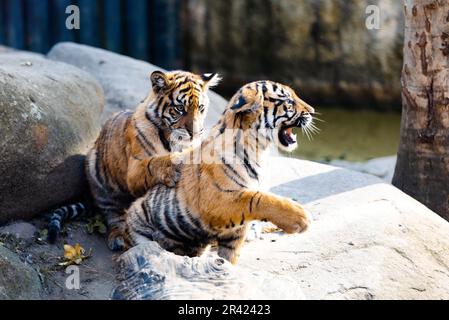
(422,169)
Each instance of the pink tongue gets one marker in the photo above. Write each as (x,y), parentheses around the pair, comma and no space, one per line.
(289,131)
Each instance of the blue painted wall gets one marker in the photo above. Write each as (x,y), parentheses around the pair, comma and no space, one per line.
(144,29)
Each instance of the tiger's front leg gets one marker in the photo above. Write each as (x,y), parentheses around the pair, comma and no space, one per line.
(145,173)
(288,215)
(117,236)
(230,245)
(255,205)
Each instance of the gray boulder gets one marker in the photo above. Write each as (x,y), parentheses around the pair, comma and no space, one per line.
(18,281)
(49,117)
(125,80)
(4,49)
(380,167)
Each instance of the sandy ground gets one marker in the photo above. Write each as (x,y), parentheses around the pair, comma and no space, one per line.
(97,274)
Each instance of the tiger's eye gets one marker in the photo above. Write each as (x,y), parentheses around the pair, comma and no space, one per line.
(290,105)
(179,108)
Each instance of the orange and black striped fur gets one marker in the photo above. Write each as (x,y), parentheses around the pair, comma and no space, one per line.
(134,149)
(220,189)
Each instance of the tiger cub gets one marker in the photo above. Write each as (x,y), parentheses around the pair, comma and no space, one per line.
(220,190)
(134,149)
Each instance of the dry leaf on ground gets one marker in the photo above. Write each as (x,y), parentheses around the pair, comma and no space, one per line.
(74,255)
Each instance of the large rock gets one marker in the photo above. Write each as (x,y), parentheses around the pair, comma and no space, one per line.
(380,167)
(49,116)
(4,49)
(321,47)
(368,240)
(18,281)
(125,81)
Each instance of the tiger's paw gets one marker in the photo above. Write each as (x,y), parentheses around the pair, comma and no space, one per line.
(171,176)
(166,172)
(295,222)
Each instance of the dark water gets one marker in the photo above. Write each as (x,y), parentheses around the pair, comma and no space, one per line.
(351,135)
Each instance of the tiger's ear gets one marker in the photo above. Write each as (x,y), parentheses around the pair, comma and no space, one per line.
(159,81)
(247,100)
(211,80)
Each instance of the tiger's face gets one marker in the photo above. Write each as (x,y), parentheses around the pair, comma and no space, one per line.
(181,104)
(274,107)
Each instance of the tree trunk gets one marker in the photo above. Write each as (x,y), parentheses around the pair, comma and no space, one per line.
(422,170)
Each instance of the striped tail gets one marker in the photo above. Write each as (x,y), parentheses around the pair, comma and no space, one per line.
(62,214)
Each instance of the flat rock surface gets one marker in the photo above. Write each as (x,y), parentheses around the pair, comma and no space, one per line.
(4,49)
(126,81)
(368,239)
(380,167)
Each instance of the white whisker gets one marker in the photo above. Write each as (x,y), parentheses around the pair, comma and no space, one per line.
(311,134)
(318,119)
(314,128)
(306,132)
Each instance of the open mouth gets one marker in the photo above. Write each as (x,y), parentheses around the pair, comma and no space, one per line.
(286,136)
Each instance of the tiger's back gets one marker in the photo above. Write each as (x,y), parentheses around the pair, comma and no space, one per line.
(107,164)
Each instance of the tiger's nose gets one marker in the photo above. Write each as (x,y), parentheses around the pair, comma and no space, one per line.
(308,107)
(194,128)
(311,111)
